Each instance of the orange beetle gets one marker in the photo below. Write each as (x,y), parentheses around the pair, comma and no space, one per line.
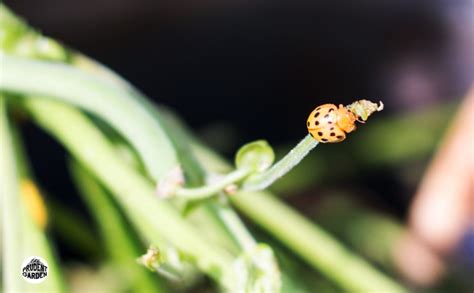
(328,123)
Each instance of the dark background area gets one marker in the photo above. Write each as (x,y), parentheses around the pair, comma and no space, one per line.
(260,65)
(258,68)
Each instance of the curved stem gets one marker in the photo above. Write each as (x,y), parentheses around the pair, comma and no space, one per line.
(304,237)
(283,166)
(99,96)
(213,188)
(155,220)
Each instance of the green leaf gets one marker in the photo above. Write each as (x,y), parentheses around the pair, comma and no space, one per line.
(257,156)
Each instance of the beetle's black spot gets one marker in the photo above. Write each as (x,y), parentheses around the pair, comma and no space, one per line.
(329,122)
(324,139)
(339,136)
(332,134)
(307,123)
(318,108)
(332,128)
(326,116)
(330,110)
(320,133)
(316,115)
(316,123)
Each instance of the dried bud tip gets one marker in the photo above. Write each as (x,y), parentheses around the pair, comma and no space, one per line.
(380,107)
(152,259)
(231,189)
(364,108)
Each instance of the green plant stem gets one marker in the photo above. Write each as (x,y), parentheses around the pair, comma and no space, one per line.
(112,84)
(99,96)
(214,187)
(226,215)
(11,253)
(266,217)
(235,226)
(21,235)
(156,220)
(312,243)
(119,242)
(283,166)
(69,225)
(357,225)
(304,237)
(227,223)
(16,30)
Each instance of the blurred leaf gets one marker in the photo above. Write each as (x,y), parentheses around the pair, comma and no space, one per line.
(22,236)
(109,102)
(119,241)
(357,225)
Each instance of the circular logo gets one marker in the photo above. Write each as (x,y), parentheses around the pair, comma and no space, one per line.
(34,269)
